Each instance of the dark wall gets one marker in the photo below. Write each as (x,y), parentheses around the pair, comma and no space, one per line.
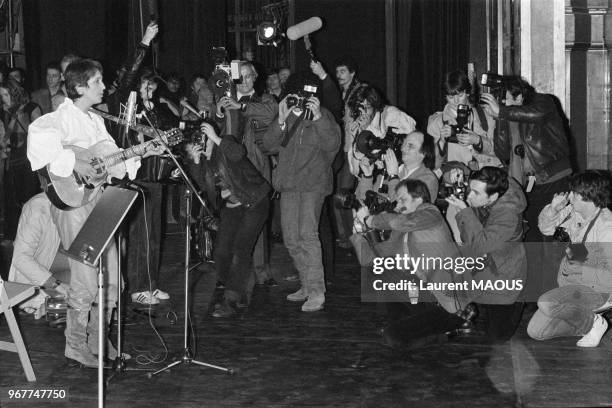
(93,28)
(354,27)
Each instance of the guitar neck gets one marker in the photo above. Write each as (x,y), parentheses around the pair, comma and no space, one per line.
(123,155)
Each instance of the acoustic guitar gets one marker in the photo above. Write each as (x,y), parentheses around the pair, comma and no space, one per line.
(74,191)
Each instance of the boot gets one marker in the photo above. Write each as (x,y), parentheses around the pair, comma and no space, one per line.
(76,339)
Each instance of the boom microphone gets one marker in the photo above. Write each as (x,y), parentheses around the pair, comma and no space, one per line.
(304,28)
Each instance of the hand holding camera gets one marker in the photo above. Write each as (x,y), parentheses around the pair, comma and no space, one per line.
(314,105)
(228,102)
(284,110)
(391,163)
(468,137)
(489,104)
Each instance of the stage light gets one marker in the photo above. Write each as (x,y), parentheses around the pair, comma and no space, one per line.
(268,33)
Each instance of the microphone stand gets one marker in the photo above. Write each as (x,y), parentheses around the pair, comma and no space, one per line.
(187,356)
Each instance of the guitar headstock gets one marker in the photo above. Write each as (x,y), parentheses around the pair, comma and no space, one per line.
(173,137)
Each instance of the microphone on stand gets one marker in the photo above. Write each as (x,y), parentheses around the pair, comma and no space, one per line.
(130,113)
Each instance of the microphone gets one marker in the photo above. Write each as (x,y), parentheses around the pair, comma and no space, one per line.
(185,104)
(130,109)
(304,28)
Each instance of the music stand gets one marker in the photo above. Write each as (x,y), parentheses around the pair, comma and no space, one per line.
(88,247)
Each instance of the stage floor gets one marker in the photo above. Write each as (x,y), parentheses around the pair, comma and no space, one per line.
(286,358)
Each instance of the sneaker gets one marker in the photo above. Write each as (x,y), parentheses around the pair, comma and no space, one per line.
(220,285)
(145,298)
(270,282)
(593,337)
(161,295)
(314,303)
(298,296)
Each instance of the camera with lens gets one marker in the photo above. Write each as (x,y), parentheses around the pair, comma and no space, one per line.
(575,252)
(375,202)
(494,84)
(374,147)
(463,114)
(300,99)
(225,74)
(458,189)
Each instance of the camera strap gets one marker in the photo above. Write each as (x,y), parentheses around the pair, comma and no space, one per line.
(291,132)
(584,237)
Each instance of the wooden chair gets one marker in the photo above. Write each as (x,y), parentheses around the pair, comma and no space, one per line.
(11,294)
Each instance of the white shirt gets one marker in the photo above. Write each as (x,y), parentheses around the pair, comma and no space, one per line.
(49,135)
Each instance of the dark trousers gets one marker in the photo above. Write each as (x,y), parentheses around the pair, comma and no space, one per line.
(326,235)
(20,184)
(408,324)
(144,238)
(239,228)
(542,274)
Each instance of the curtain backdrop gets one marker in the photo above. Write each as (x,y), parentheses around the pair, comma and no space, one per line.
(432,39)
(108,29)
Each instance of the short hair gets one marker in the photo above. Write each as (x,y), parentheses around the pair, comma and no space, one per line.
(593,186)
(250,65)
(495,178)
(347,61)
(456,82)
(78,73)
(366,92)
(416,189)
(19,96)
(53,65)
(518,86)
(149,75)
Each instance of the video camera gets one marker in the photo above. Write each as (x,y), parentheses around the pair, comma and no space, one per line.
(463,114)
(224,74)
(374,147)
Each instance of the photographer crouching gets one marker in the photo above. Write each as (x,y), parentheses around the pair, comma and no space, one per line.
(581,220)
(491,227)
(307,138)
(417,229)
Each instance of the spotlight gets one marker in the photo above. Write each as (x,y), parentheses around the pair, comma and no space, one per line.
(268,34)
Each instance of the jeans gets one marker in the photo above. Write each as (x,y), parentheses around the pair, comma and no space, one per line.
(300,213)
(239,228)
(144,240)
(565,311)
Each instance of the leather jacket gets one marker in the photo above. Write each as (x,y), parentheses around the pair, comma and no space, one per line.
(238,174)
(542,133)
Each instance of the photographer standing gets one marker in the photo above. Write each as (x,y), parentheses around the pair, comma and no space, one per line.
(531,139)
(472,139)
(368,111)
(492,227)
(303,176)
(584,276)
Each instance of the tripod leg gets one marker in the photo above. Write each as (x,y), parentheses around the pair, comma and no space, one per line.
(226,370)
(169,366)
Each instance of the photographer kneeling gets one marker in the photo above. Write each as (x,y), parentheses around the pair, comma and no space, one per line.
(417,229)
(491,227)
(581,219)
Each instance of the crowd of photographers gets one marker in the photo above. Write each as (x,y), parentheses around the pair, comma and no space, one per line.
(490,172)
